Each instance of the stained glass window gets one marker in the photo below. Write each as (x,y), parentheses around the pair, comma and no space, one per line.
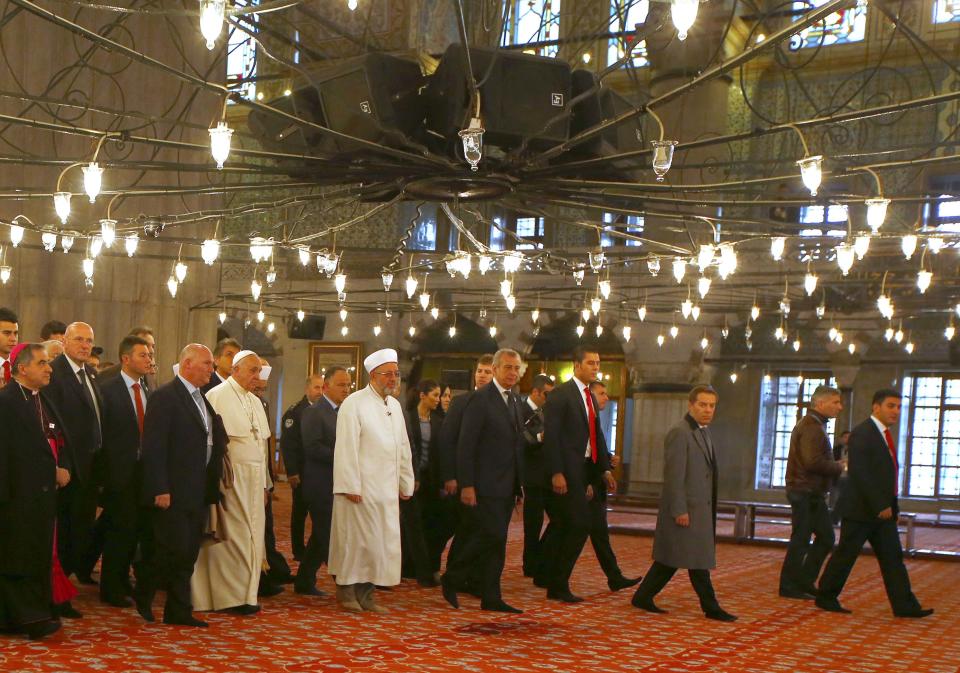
(242,54)
(626,16)
(931,454)
(533,21)
(841,27)
(784,400)
(945,11)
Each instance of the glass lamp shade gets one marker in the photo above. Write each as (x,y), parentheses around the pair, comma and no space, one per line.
(5,273)
(211,20)
(705,256)
(684,13)
(92,180)
(210,251)
(679,269)
(61,203)
(472,138)
(305,255)
(511,303)
(130,244)
(662,156)
(811,172)
(845,257)
(686,306)
(660,340)
(411,286)
(424,300)
(703,286)
(777,246)
(578,276)
(511,261)
(387,279)
(108,232)
(627,331)
(220,137)
(483,264)
(876,213)
(49,241)
(642,313)
(595,305)
(923,280)
(172,286)
(653,266)
(604,286)
(908,244)
(861,244)
(16,234)
(87,266)
(180,271)
(340,282)
(255,289)
(810,283)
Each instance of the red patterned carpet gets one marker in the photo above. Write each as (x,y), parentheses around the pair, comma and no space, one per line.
(421,633)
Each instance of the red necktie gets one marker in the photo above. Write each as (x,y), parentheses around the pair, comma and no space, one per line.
(893,457)
(6,371)
(592,419)
(138,403)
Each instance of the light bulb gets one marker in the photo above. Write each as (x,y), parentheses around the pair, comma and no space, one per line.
(5,273)
(506,288)
(950,332)
(811,172)
(483,264)
(861,244)
(255,288)
(301,315)
(87,265)
(888,334)
(211,20)
(535,315)
(599,330)
(220,136)
(579,330)
(777,246)
(705,257)
(923,280)
(96,245)
(305,255)
(180,271)
(674,331)
(679,269)
(493,331)
(424,300)
(472,138)
(653,266)
(411,284)
(222,317)
(343,314)
(49,241)
(435,312)
(344,331)
(511,303)
(909,348)
(810,283)
(733,377)
(662,156)
(695,312)
(452,331)
(172,286)
(387,279)
(16,234)
(578,276)
(352,5)
(754,312)
(684,13)
(934,245)
(660,340)
(210,251)
(728,260)
(845,256)
(703,286)
(851,348)
(411,330)
(908,244)
(108,232)
(832,334)
(585,314)
(642,313)
(796,344)
(685,307)
(876,213)
(704,343)
(61,203)
(604,286)
(627,331)
(92,177)
(340,282)
(898,336)
(595,305)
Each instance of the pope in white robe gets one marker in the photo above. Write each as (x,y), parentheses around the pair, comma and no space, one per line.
(372,471)
(227,573)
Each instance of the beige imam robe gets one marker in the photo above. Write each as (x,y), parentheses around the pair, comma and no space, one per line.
(371,458)
(227,574)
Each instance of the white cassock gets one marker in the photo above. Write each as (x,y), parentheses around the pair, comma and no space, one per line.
(372,459)
(227,574)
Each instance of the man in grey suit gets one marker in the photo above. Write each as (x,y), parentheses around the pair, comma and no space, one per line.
(686,524)
(318,432)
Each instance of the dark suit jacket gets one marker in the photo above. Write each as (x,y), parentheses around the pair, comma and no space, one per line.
(79,418)
(566,433)
(175,449)
(28,486)
(450,435)
(490,446)
(121,435)
(871,475)
(318,436)
(291,440)
(427,472)
(534,466)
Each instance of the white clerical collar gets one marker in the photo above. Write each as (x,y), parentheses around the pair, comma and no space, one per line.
(330,402)
(533,405)
(240,390)
(880,426)
(76,368)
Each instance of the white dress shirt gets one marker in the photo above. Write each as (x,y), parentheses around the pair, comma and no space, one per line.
(129,383)
(504,392)
(584,389)
(76,372)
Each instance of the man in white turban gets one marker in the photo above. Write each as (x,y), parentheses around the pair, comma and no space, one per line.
(227,573)
(372,471)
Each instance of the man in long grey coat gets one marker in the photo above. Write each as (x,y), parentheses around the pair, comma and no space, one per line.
(686,523)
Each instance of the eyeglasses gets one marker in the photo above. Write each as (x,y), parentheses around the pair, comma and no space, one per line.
(389,374)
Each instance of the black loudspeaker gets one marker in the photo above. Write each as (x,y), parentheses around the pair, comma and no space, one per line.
(311,327)
(519,94)
(374,97)
(600,106)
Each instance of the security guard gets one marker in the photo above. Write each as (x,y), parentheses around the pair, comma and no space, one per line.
(292,449)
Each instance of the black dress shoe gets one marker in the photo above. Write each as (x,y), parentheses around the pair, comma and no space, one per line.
(720,616)
(647,605)
(915,613)
(449,593)
(310,591)
(245,610)
(186,621)
(564,596)
(500,606)
(797,593)
(38,630)
(618,583)
(541,582)
(144,605)
(428,582)
(67,610)
(84,578)
(831,605)
(116,601)
(267,589)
